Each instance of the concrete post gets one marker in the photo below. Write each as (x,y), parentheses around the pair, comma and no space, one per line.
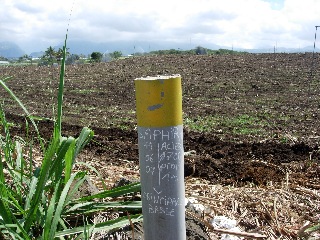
(160,139)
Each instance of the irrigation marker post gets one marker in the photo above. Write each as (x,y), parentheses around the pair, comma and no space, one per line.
(161,156)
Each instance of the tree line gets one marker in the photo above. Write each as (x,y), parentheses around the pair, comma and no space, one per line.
(52,56)
(196,51)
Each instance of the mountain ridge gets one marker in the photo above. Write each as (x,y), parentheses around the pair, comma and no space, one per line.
(10,50)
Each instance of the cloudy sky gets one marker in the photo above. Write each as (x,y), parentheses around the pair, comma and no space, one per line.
(36,24)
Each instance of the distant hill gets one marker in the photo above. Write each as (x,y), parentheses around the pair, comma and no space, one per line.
(36,54)
(10,50)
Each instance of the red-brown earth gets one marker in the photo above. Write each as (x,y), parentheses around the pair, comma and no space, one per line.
(252,121)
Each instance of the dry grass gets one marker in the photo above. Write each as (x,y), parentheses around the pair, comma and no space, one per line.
(277,212)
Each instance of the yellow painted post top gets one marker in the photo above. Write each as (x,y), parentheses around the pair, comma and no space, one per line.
(159,101)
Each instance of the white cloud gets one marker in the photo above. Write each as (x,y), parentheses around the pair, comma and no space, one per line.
(242,23)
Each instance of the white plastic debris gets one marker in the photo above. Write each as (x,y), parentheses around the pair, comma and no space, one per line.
(192,152)
(198,207)
(191,200)
(222,222)
(193,205)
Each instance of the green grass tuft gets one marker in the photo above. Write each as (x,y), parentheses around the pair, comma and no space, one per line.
(39,203)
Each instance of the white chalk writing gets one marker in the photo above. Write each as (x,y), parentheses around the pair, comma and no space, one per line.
(160,160)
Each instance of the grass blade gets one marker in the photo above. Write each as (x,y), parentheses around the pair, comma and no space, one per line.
(58,165)
(5,212)
(81,177)
(314,228)
(85,136)
(14,220)
(19,167)
(11,229)
(32,189)
(43,176)
(116,192)
(57,128)
(60,207)
(105,226)
(90,207)
(24,109)
(6,79)
(69,159)
(50,212)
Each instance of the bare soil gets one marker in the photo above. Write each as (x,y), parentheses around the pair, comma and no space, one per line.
(257,159)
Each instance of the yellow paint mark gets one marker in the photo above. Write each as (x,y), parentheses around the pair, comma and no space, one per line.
(159,101)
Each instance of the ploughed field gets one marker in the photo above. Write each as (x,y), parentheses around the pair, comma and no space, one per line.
(251,128)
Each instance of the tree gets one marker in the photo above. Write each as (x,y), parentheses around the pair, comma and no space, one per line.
(200,50)
(96,56)
(116,54)
(49,56)
(50,53)
(3,58)
(73,58)
(25,57)
(59,54)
